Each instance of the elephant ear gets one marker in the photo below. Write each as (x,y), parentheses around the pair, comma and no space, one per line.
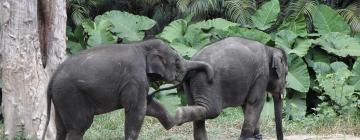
(277,65)
(155,65)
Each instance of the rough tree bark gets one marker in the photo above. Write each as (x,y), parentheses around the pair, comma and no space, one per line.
(32,44)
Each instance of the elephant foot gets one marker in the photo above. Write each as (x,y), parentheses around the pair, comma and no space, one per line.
(171,123)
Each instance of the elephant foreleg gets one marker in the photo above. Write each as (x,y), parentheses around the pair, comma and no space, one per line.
(155,109)
(200,130)
(135,110)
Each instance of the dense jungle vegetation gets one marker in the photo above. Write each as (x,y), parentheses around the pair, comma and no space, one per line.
(320,37)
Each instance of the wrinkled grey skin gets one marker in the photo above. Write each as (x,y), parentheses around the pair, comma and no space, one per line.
(110,77)
(244,71)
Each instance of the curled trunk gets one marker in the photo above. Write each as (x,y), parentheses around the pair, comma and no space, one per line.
(199,65)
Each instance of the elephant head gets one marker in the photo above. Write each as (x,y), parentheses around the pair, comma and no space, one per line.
(278,71)
(162,62)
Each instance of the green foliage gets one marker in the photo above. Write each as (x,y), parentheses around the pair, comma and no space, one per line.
(127,26)
(266,16)
(188,38)
(298,77)
(339,44)
(327,20)
(332,78)
(296,25)
(295,107)
(240,11)
(99,32)
(355,75)
(251,34)
(291,44)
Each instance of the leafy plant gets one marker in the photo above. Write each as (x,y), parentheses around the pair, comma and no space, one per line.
(127,26)
(298,77)
(266,15)
(327,20)
(339,44)
(99,32)
(291,44)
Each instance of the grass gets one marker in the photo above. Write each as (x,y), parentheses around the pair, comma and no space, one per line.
(226,126)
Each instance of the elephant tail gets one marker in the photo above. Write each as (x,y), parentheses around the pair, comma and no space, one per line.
(48,94)
(278,116)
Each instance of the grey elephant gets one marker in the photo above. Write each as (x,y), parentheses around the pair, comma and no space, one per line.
(109,77)
(244,71)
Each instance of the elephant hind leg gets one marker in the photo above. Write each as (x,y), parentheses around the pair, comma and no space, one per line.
(252,110)
(75,115)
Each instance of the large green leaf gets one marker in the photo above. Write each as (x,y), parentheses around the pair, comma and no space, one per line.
(355,76)
(196,38)
(288,41)
(266,15)
(217,23)
(73,47)
(295,108)
(298,77)
(127,26)
(175,29)
(326,20)
(339,44)
(251,34)
(334,83)
(298,25)
(180,46)
(99,32)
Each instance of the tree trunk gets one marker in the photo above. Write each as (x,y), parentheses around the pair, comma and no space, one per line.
(32,44)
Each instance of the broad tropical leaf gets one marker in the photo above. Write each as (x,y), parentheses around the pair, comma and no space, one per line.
(355,75)
(251,34)
(298,76)
(326,20)
(73,47)
(217,23)
(288,41)
(127,26)
(298,25)
(99,32)
(266,16)
(196,38)
(175,29)
(182,49)
(339,44)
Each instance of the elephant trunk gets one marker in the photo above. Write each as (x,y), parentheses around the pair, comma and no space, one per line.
(278,115)
(199,65)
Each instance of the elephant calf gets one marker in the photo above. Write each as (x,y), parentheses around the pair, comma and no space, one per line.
(110,77)
(244,71)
